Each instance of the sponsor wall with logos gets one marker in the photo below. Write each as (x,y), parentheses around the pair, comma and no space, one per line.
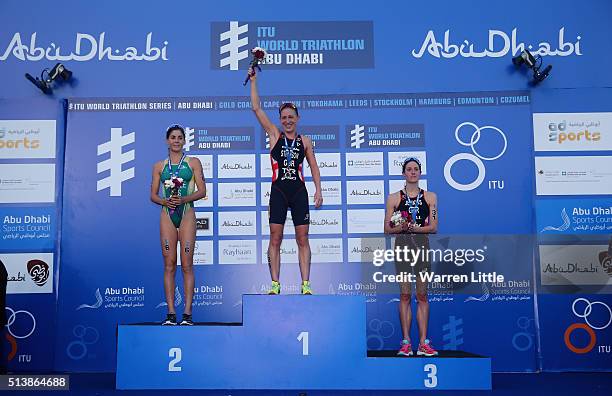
(471,149)
(31,170)
(350,80)
(572,132)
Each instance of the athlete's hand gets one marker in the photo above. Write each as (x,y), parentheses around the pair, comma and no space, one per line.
(252,75)
(318,199)
(174,201)
(407,227)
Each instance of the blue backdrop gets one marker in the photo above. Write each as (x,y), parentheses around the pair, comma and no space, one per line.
(380,70)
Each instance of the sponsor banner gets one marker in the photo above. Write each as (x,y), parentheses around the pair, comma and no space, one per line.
(27,139)
(397,158)
(207,164)
(236,194)
(28,272)
(385,135)
(574,216)
(361,250)
(289,228)
(221,138)
(235,166)
(237,223)
(331,191)
(493,44)
(266,166)
(28,228)
(237,252)
(572,131)
(575,265)
(325,222)
(310,102)
(577,175)
(27,183)
(293,45)
(365,192)
(365,221)
(204,223)
(364,164)
(322,136)
(396,185)
(202,253)
(115,297)
(329,165)
(207,201)
(288,251)
(327,250)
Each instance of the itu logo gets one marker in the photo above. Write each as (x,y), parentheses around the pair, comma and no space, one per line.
(475,157)
(189,138)
(233,46)
(584,313)
(357,136)
(113,164)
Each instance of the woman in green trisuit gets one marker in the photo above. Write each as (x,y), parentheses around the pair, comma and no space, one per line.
(178,176)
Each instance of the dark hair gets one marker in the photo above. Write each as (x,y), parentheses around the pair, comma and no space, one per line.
(290,105)
(175,127)
(411,159)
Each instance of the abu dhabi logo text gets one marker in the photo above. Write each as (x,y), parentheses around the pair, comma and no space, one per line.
(86,48)
(597,315)
(499,45)
(475,157)
(338,44)
(114,164)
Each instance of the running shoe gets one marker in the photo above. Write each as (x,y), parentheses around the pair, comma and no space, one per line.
(275,288)
(186,320)
(406,349)
(425,349)
(170,320)
(306,288)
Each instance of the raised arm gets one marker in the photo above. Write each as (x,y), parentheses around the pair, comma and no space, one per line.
(314,170)
(263,119)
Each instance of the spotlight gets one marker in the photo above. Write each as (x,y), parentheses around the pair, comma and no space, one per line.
(58,72)
(533,63)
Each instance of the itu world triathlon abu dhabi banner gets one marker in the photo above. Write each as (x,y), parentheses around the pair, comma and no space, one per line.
(471,145)
(31,171)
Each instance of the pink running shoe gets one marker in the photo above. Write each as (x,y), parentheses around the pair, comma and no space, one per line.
(406,349)
(425,349)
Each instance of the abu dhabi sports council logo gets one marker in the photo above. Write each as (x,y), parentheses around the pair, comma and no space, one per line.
(234,43)
(189,139)
(357,136)
(95,305)
(20,324)
(563,227)
(39,271)
(583,309)
(117,159)
(475,157)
